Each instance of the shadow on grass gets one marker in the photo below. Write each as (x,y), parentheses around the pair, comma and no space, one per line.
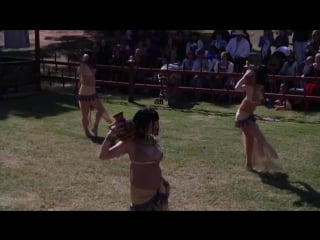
(42,104)
(295,120)
(30,54)
(185,106)
(305,192)
(188,107)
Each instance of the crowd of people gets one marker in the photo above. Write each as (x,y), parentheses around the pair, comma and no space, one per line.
(300,60)
(226,51)
(149,190)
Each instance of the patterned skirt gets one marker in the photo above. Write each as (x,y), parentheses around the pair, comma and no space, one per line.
(263,154)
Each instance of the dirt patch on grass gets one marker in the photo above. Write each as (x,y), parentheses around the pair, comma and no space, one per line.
(22,200)
(9,161)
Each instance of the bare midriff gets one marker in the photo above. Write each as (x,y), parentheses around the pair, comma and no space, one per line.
(247,106)
(87,85)
(145,176)
(145,171)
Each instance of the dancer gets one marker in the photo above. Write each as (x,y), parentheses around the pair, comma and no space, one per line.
(88,97)
(257,149)
(149,190)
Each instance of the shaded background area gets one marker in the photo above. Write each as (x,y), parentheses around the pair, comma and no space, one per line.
(63,43)
(67,43)
(43,104)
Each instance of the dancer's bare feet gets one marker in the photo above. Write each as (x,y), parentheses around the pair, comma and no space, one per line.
(88,133)
(249,167)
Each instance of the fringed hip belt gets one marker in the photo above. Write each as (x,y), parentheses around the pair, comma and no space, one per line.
(87,98)
(159,202)
(242,122)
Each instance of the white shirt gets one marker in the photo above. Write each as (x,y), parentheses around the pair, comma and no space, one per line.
(196,65)
(238,49)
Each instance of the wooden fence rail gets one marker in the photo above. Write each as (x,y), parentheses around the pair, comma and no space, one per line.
(66,71)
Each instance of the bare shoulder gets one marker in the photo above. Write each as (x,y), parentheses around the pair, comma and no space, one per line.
(128,145)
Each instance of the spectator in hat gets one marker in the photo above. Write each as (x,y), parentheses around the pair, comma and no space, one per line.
(201,64)
(239,49)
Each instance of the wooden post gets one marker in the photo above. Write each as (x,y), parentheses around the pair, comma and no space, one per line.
(131,79)
(37,55)
(62,78)
(55,60)
(49,75)
(76,80)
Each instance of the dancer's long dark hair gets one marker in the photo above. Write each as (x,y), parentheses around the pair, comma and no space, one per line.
(261,75)
(142,120)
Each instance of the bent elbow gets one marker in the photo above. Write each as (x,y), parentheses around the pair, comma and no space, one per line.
(238,88)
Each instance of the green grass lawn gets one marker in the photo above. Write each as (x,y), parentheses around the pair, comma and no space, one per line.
(46,162)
